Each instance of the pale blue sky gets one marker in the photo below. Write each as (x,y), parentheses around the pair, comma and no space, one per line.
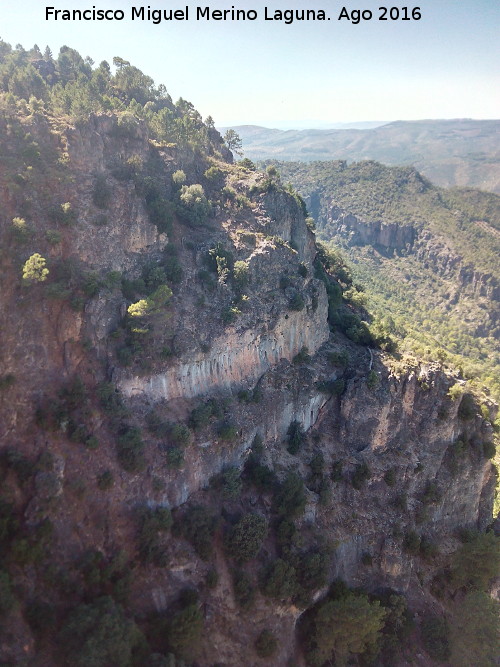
(265,72)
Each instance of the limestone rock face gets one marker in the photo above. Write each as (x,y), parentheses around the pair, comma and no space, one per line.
(235,359)
(431,250)
(377,233)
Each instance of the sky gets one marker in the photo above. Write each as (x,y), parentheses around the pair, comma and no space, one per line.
(304,74)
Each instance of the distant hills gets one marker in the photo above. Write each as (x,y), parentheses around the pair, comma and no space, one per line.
(459,152)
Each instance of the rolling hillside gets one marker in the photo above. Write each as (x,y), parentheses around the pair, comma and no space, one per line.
(449,152)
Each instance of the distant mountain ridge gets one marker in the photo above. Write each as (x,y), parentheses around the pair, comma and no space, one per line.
(459,152)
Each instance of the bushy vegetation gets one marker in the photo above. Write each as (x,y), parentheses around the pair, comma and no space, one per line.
(99,634)
(202,414)
(266,644)
(34,269)
(474,630)
(279,580)
(342,625)
(476,562)
(290,496)
(296,437)
(193,204)
(244,540)
(435,637)
(198,526)
(152,523)
(243,589)
(228,482)
(183,626)
(70,86)
(130,450)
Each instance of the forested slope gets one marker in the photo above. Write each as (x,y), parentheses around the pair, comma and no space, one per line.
(426,256)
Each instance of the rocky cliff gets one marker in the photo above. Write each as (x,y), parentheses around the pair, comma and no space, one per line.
(178,356)
(432,250)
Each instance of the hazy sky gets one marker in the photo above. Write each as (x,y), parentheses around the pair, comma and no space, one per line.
(266,72)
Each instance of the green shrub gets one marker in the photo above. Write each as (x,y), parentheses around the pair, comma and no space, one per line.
(21,232)
(193,205)
(467,408)
(317,464)
(303,357)
(324,491)
(198,526)
(290,497)
(288,538)
(173,269)
(339,358)
(279,580)
(175,457)
(296,437)
(360,475)
(390,477)
(41,617)
(246,163)
(431,493)
(367,558)
(411,543)
(337,474)
(130,450)
(154,303)
(303,270)
(229,314)
(435,637)
(213,174)
(312,570)
(476,562)
(240,274)
(229,482)
(179,434)
(243,589)
(475,630)
(105,480)
(212,578)
(250,238)
(227,431)
(179,177)
(341,628)
(372,380)
(333,387)
(110,399)
(62,214)
(184,630)
(401,501)
(296,302)
(99,634)
(244,540)
(428,548)
(266,644)
(34,269)
(201,415)
(489,449)
(260,475)
(152,522)
(7,381)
